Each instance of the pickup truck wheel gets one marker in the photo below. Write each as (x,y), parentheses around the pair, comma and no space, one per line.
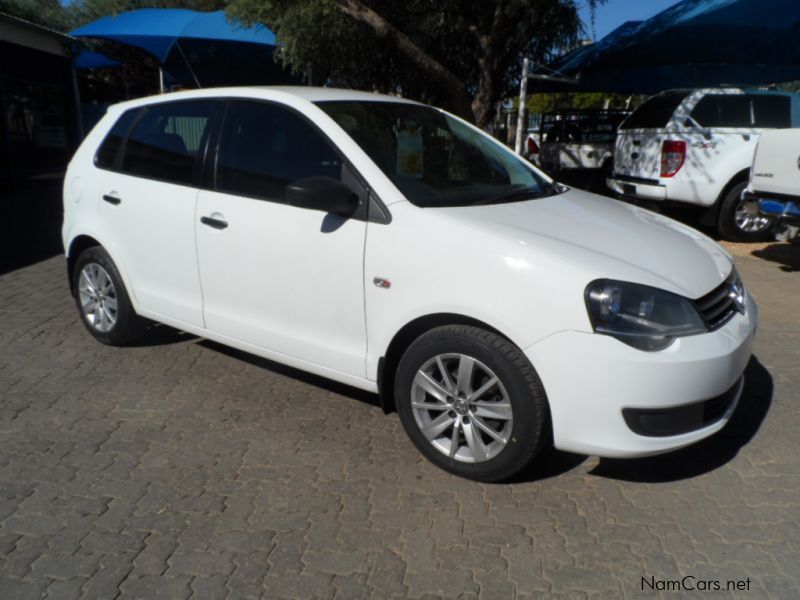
(739,222)
(102,300)
(471,402)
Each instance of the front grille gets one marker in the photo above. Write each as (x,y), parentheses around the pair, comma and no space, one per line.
(718,306)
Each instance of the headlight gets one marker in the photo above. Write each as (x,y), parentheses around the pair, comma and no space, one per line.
(644,317)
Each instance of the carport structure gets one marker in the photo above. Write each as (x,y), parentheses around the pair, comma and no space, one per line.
(194,49)
(695,43)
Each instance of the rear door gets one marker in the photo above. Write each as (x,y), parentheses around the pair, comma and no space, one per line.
(147,206)
(637,152)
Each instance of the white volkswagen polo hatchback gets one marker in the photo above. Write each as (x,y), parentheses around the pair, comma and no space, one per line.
(393,247)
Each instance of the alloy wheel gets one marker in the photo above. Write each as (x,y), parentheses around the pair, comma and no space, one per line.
(98,297)
(462,408)
(747,218)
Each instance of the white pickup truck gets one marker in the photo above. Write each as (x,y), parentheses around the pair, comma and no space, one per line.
(696,147)
(775,180)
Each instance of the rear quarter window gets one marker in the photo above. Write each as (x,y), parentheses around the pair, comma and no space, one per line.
(107,152)
(655,113)
(723,110)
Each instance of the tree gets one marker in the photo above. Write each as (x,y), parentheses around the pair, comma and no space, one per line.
(67,16)
(460,54)
(49,13)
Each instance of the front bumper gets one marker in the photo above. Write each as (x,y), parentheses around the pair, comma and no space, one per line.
(594,381)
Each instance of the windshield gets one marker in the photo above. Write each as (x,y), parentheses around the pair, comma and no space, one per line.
(434,159)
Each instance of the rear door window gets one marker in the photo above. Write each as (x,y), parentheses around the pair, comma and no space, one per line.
(166,142)
(655,113)
(265,147)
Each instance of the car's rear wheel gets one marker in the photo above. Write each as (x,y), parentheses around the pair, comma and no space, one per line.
(471,402)
(739,220)
(103,301)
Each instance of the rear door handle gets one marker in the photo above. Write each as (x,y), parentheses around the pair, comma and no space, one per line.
(215,223)
(112,199)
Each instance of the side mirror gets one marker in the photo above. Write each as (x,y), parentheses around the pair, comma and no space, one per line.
(322,193)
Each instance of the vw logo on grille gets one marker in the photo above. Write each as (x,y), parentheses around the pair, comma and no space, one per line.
(737,295)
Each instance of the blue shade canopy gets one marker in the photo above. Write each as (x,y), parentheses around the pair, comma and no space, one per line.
(94,60)
(695,43)
(156,30)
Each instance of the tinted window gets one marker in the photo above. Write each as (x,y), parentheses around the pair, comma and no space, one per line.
(435,159)
(772,111)
(107,152)
(654,113)
(166,141)
(723,111)
(265,147)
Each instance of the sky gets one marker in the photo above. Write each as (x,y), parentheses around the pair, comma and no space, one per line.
(614,13)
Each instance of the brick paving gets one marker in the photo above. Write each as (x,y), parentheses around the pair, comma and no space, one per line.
(181,469)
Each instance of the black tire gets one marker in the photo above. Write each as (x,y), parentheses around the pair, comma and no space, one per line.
(726,219)
(529,426)
(127,325)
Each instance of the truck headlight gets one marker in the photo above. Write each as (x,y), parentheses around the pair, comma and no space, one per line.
(641,316)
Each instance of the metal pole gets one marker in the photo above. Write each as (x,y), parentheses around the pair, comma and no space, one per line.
(523,94)
(188,64)
(160,79)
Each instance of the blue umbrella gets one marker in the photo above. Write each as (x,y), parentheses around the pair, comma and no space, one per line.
(157,30)
(165,32)
(695,43)
(88,59)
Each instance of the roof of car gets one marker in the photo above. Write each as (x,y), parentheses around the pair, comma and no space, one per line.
(728,90)
(310,94)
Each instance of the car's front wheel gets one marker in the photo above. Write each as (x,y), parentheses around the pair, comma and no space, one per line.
(103,301)
(471,402)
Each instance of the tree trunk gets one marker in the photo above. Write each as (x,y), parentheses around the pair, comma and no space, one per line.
(460,99)
(486,96)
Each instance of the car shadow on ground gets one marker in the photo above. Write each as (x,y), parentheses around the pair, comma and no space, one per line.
(709,454)
(161,335)
(302,376)
(548,463)
(788,255)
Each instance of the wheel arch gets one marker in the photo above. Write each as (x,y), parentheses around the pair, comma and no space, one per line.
(405,336)
(85,241)
(711,215)
(77,245)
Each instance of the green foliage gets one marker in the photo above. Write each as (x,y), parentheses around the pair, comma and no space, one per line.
(48,13)
(482,44)
(538,103)
(52,14)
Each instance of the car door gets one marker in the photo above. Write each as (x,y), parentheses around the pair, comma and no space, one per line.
(285,279)
(148,203)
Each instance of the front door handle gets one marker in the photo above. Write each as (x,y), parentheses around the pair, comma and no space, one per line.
(112,199)
(215,223)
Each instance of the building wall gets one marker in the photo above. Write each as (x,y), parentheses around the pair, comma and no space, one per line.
(39,122)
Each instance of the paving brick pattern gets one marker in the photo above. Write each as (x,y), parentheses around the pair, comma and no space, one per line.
(181,469)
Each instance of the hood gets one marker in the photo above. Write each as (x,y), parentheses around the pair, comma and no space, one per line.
(683,260)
